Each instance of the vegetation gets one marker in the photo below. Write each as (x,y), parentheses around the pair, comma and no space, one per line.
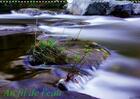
(47,52)
(7,6)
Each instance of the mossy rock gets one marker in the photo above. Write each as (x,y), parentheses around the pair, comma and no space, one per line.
(55,52)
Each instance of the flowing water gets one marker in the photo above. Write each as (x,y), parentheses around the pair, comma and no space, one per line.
(118,77)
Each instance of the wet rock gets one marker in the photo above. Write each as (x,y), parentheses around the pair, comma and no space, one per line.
(29,11)
(102,7)
(136,8)
(85,56)
(34,11)
(62,87)
(69,72)
(97,8)
(88,7)
(48,12)
(121,9)
(5,76)
(15,29)
(24,89)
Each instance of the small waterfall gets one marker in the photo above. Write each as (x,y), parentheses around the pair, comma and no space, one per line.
(81,80)
(109,82)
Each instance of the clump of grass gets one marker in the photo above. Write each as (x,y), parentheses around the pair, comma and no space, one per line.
(47,52)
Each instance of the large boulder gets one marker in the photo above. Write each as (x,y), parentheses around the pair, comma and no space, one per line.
(88,7)
(98,8)
(101,7)
(122,9)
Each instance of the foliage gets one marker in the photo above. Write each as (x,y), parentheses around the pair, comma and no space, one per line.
(47,52)
(8,6)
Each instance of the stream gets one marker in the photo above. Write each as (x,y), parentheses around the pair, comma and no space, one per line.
(118,77)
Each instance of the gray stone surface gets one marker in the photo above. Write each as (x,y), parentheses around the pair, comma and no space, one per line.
(97,8)
(34,11)
(101,7)
(121,9)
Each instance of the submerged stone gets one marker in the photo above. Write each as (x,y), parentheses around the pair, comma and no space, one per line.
(34,11)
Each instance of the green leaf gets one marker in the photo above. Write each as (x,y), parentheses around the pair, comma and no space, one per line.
(51,42)
(42,44)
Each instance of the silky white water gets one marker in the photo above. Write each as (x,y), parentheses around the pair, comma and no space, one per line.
(109,82)
(117,77)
